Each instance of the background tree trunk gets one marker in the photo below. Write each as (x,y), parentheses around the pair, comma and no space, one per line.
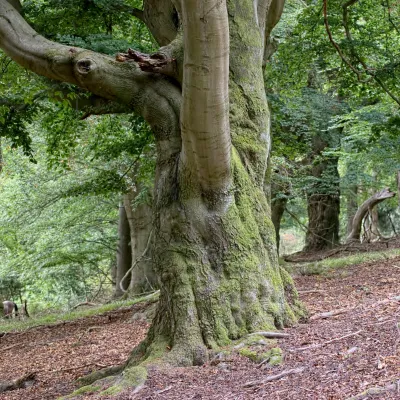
(1,157)
(371,226)
(323,205)
(124,254)
(352,206)
(140,217)
(278,206)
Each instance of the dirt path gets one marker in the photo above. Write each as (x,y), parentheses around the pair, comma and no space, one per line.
(342,355)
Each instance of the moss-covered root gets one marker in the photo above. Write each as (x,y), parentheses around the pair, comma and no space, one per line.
(107,383)
(98,375)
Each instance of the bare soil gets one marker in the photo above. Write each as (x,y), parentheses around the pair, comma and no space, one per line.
(341,356)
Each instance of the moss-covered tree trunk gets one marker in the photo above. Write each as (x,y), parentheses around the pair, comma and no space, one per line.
(218,265)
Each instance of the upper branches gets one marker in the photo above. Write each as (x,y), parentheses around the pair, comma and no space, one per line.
(97,73)
(356,62)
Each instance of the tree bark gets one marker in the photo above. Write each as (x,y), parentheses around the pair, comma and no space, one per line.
(371,225)
(214,246)
(352,206)
(323,223)
(124,253)
(140,217)
(1,157)
(323,203)
(278,207)
(363,210)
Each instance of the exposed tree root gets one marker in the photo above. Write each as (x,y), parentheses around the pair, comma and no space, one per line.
(329,314)
(271,335)
(274,377)
(85,303)
(314,346)
(376,391)
(19,383)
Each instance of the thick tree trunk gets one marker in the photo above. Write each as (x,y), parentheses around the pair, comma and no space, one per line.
(218,264)
(363,210)
(323,200)
(124,254)
(323,208)
(219,271)
(371,226)
(323,222)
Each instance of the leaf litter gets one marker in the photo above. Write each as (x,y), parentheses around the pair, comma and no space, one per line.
(349,345)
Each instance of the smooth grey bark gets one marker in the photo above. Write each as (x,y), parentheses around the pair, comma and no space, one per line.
(363,210)
(140,218)
(371,226)
(351,206)
(124,253)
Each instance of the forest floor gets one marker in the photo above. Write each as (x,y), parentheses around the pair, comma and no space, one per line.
(334,358)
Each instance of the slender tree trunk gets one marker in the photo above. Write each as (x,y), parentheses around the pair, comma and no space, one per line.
(352,206)
(124,254)
(140,219)
(1,157)
(278,207)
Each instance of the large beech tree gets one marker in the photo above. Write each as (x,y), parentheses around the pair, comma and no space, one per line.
(203,95)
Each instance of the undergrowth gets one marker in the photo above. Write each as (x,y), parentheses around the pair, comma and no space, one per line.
(329,264)
(20,325)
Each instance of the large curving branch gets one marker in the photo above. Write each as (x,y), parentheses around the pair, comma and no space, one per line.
(206,140)
(161,17)
(274,10)
(369,204)
(152,96)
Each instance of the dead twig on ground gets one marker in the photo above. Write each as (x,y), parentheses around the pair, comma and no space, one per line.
(88,330)
(314,346)
(11,347)
(329,314)
(376,391)
(85,303)
(274,377)
(271,335)
(311,291)
(19,383)
(79,367)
